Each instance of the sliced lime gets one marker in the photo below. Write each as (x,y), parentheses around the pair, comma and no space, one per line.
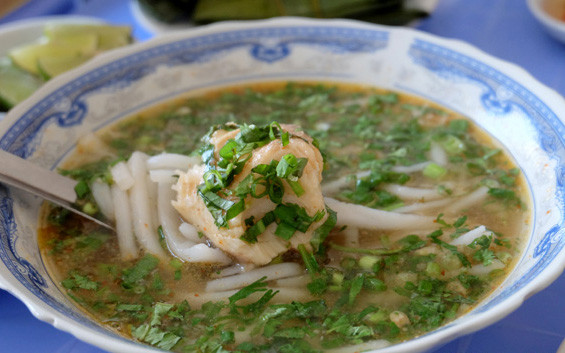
(109,36)
(85,43)
(15,84)
(26,57)
(51,66)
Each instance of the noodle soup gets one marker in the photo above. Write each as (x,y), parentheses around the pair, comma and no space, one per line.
(287,217)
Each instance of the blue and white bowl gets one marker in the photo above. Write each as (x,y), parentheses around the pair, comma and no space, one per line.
(504,100)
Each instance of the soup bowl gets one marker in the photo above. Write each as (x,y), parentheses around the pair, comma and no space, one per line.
(502,99)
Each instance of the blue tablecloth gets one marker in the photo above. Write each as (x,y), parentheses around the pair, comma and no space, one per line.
(503,28)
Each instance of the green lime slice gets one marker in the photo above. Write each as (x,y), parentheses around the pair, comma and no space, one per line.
(51,66)
(109,36)
(15,84)
(26,56)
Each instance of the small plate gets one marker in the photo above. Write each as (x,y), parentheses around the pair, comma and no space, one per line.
(552,25)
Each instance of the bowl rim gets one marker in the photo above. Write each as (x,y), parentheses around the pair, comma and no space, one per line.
(551,98)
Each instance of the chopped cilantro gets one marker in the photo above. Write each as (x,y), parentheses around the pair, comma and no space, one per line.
(434,236)
(139,271)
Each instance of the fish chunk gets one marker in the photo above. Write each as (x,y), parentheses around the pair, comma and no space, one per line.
(192,208)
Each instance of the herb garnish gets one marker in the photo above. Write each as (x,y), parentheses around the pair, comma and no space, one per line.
(265,180)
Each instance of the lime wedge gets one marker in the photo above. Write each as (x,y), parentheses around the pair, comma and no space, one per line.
(51,66)
(61,48)
(15,84)
(26,57)
(109,36)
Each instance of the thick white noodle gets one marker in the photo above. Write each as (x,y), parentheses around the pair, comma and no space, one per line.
(152,194)
(103,197)
(190,232)
(177,243)
(142,214)
(469,200)
(122,176)
(272,272)
(365,346)
(351,236)
(369,218)
(284,295)
(480,269)
(410,193)
(124,227)
(438,154)
(334,186)
(424,206)
(171,161)
(298,281)
(163,176)
(410,168)
(170,221)
(204,253)
(233,270)
(467,238)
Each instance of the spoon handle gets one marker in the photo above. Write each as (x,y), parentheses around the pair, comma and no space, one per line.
(22,174)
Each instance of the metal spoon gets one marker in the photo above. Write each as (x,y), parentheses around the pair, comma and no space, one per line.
(22,174)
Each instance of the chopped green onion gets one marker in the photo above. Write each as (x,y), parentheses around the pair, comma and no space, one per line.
(433,269)
(322,232)
(434,171)
(309,260)
(258,228)
(452,145)
(356,286)
(374,284)
(368,261)
(82,189)
(285,231)
(235,209)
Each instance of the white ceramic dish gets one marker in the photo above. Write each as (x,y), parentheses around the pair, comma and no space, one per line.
(539,8)
(503,99)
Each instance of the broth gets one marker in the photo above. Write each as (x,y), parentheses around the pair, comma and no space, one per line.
(359,288)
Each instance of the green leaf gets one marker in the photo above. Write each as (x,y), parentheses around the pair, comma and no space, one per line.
(291,167)
(408,243)
(140,270)
(434,236)
(252,133)
(140,332)
(82,189)
(318,286)
(235,209)
(159,310)
(129,307)
(258,228)
(76,280)
(309,260)
(291,332)
(229,150)
(503,194)
(285,231)
(356,286)
(295,216)
(322,232)
(257,286)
